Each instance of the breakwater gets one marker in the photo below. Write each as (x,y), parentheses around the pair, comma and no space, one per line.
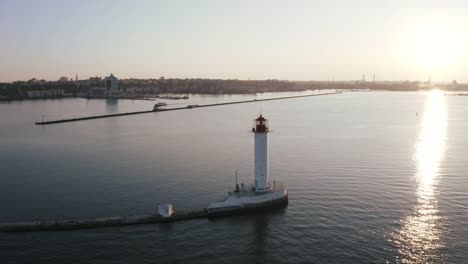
(173,109)
(100,222)
(136,220)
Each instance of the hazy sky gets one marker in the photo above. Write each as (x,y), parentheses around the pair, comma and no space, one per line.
(295,40)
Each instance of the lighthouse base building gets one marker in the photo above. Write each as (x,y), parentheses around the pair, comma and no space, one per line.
(262,193)
(250,201)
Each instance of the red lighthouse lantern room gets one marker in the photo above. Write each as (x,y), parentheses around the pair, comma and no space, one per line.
(260,125)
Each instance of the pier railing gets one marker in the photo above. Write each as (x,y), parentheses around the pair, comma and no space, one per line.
(247,188)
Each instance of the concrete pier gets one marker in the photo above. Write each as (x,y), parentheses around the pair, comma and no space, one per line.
(173,109)
(100,222)
(131,220)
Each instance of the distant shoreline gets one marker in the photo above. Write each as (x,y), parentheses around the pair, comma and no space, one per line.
(140,88)
(168,95)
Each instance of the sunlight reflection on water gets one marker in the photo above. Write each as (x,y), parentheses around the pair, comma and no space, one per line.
(419,240)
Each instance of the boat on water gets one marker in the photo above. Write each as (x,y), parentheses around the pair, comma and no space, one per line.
(174,97)
(158,104)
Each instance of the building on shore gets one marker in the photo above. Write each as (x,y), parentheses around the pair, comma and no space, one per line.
(111,84)
(96,91)
(95,79)
(45,94)
(63,79)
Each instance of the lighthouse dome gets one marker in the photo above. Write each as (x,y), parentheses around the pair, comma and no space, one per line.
(260,125)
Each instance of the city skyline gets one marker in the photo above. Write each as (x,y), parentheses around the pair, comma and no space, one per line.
(238,40)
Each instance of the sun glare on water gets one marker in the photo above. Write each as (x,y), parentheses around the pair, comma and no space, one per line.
(419,239)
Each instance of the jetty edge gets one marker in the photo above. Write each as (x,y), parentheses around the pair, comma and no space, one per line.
(118,221)
(50,122)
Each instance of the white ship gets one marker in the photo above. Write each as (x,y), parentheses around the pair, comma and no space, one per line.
(157,105)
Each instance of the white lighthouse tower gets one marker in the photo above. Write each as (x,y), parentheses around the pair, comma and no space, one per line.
(260,130)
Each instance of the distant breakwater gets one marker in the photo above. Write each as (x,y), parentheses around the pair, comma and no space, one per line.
(173,109)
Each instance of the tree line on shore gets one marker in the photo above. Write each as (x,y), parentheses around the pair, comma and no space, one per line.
(19,89)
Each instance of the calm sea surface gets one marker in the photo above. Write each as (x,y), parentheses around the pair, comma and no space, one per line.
(372,177)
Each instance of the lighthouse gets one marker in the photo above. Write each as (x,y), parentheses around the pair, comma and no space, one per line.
(260,130)
(261,194)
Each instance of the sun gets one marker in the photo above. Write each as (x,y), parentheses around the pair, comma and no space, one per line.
(436,43)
